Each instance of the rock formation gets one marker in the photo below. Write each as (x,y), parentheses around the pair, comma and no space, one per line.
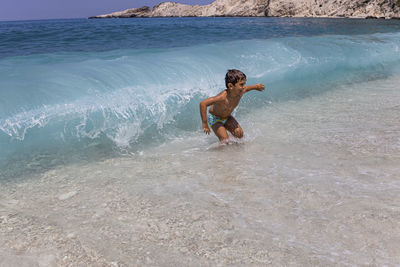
(231,8)
(128,13)
(333,8)
(274,8)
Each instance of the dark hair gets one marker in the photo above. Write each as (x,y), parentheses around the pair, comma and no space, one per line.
(233,76)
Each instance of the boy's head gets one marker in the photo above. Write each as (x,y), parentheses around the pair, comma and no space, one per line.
(234,76)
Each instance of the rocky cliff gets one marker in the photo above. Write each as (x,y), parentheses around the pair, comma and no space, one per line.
(334,8)
(275,8)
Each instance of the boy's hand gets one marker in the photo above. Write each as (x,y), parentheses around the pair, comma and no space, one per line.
(205,128)
(260,87)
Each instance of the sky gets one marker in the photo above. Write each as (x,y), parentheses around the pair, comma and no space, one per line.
(54,9)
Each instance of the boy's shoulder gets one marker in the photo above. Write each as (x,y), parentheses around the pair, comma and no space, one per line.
(219,97)
(222,94)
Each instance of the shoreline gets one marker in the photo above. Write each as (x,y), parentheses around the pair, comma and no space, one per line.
(290,17)
(253,17)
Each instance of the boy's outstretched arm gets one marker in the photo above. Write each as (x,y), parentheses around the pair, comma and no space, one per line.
(203,110)
(258,87)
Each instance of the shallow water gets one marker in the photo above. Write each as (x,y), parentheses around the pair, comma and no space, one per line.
(315,182)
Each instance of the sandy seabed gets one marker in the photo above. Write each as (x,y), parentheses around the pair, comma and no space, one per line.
(317,182)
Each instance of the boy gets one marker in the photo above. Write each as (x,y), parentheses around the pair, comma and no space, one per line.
(222,105)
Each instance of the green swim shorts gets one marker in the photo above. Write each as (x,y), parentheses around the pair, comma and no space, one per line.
(212,119)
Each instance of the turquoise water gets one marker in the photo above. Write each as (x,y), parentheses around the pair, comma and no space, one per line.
(88,89)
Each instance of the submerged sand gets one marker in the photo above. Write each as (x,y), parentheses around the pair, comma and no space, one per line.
(317,182)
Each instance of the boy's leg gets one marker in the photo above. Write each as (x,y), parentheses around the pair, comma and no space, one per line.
(234,127)
(220,132)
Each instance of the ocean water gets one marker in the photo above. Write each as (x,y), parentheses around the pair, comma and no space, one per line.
(98,88)
(103,156)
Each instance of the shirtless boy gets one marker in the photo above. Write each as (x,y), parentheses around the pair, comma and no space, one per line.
(222,105)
